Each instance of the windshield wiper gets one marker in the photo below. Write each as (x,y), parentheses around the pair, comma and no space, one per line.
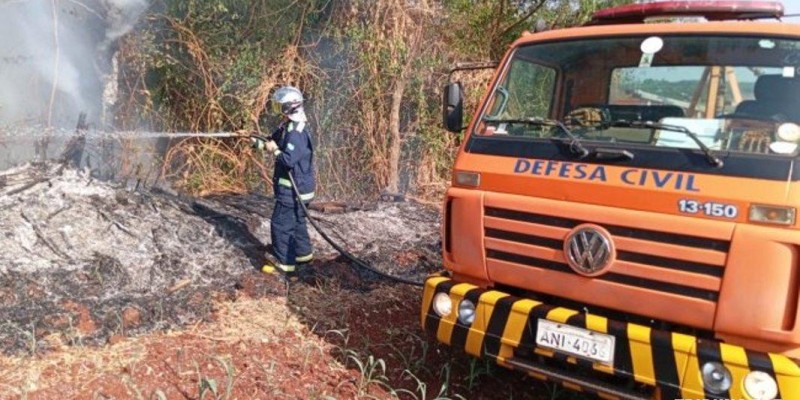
(575,145)
(710,156)
(612,154)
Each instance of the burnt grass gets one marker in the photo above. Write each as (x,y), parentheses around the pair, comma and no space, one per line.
(73,303)
(188,254)
(87,264)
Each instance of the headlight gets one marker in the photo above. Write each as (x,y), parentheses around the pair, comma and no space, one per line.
(442,305)
(716,378)
(776,215)
(789,132)
(466,312)
(760,386)
(468,179)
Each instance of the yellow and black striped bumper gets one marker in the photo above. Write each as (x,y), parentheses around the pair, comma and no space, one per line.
(670,362)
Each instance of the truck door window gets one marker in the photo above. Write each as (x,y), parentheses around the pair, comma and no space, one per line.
(526,91)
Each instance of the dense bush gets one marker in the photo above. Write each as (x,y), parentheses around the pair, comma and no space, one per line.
(372,70)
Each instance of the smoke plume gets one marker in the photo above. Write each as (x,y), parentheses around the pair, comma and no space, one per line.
(55,57)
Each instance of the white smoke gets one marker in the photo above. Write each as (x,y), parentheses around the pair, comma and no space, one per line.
(56,57)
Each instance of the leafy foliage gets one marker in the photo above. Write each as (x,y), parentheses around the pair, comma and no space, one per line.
(372,70)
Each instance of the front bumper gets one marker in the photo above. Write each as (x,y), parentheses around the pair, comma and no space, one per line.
(505,329)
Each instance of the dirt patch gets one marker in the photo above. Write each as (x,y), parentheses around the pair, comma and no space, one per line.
(323,341)
(256,349)
(76,312)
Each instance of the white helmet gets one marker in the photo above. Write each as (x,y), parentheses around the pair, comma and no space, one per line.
(288,101)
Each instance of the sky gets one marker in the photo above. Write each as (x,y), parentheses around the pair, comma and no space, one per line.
(792,7)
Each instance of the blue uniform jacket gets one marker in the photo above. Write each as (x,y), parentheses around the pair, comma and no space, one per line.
(295,154)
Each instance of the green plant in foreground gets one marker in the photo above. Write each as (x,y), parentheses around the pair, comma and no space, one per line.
(477,368)
(230,375)
(372,372)
(344,348)
(206,385)
(422,389)
(411,359)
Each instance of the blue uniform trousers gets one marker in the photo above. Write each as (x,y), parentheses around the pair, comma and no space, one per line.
(289,232)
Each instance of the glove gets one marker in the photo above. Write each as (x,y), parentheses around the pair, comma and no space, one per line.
(257,143)
(271,146)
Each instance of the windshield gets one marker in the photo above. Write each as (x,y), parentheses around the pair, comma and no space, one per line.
(735,94)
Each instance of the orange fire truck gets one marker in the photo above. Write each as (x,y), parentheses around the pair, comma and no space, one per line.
(623,211)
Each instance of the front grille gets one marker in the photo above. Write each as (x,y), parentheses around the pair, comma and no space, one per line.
(684,265)
(610,277)
(634,233)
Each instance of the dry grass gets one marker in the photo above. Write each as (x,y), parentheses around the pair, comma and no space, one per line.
(73,365)
(322,341)
(263,321)
(205,167)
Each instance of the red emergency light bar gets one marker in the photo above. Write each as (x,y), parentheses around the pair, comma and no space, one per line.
(710,10)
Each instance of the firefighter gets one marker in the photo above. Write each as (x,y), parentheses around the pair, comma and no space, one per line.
(291,146)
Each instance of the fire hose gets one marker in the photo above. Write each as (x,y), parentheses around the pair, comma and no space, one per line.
(355,260)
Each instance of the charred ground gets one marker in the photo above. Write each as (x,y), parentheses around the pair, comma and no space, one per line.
(114,291)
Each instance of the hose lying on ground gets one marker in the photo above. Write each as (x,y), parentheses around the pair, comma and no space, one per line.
(360,263)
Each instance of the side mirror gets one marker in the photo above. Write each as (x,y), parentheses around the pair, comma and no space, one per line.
(453,107)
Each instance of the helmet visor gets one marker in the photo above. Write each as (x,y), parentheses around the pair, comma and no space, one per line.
(275,107)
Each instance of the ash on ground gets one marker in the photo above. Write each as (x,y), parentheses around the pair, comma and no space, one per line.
(85,261)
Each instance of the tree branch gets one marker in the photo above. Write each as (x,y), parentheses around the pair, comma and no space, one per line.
(525,17)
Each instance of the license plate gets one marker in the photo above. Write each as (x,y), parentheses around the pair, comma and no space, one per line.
(579,342)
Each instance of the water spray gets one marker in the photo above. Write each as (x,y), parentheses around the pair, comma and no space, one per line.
(31,133)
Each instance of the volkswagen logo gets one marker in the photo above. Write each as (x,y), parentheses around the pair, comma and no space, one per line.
(589,250)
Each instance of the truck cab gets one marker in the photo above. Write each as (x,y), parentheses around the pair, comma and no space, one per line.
(623,210)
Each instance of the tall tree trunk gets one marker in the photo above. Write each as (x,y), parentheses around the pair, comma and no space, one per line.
(395,146)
